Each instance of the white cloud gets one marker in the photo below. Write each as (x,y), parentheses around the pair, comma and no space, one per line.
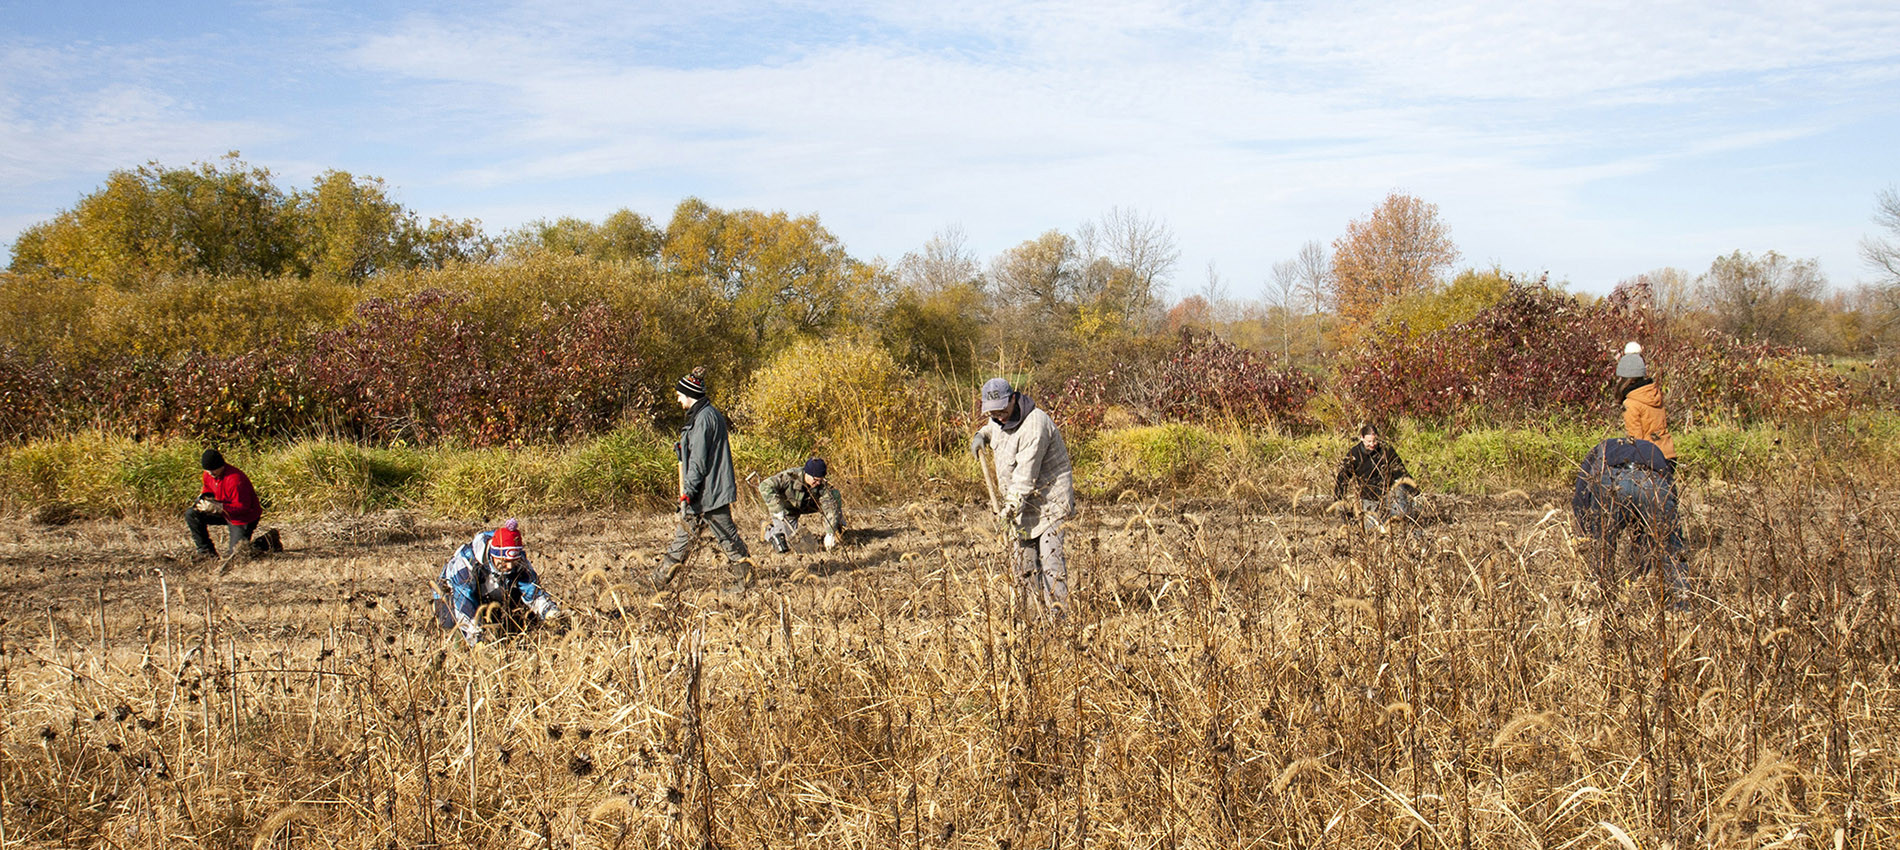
(1249,127)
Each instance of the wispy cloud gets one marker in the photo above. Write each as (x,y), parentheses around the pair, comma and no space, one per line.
(1251,127)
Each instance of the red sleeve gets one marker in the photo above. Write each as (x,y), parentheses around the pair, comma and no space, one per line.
(207,489)
(240,499)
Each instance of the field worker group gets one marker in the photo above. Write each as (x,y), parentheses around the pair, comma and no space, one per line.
(1624,483)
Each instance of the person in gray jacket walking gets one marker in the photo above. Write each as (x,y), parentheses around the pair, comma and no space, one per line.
(707,487)
(1032,470)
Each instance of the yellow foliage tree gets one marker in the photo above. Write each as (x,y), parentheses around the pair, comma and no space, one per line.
(845,398)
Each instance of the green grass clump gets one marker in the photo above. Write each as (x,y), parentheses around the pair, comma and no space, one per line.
(1144,456)
(80,472)
(158,476)
(317,476)
(626,468)
(320,476)
(488,483)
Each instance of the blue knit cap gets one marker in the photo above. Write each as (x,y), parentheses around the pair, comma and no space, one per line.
(815,467)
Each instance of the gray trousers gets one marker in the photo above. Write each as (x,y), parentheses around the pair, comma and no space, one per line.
(1397,505)
(1041,569)
(720,521)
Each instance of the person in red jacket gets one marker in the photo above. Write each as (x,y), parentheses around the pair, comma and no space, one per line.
(228,500)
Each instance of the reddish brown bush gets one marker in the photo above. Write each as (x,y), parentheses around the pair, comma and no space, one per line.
(1538,353)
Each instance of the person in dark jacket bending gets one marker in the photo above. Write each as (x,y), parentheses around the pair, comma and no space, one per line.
(1626,483)
(1378,478)
(707,487)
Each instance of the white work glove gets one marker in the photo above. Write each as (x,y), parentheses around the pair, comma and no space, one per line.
(1013,515)
(471,632)
(831,541)
(978,441)
(545,608)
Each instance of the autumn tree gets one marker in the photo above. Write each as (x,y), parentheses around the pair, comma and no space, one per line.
(221,218)
(781,275)
(1771,298)
(348,228)
(1882,254)
(1399,250)
(1040,278)
(1288,300)
(945,261)
(624,236)
(230,219)
(1193,313)
(937,310)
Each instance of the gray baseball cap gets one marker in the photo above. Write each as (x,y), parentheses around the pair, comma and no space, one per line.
(996,395)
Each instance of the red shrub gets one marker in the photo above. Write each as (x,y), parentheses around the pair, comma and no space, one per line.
(1538,353)
(1209,378)
(420,370)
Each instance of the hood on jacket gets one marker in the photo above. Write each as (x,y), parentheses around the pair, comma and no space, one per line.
(1024,404)
(1645,392)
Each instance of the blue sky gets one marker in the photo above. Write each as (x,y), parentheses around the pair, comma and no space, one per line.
(1596,140)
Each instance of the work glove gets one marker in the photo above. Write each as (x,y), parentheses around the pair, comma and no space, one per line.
(545,608)
(1012,515)
(831,541)
(977,441)
(207,505)
(471,632)
(688,513)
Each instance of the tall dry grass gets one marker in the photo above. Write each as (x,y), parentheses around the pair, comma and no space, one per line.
(1259,679)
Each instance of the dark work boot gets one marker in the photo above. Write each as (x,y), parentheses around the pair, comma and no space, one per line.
(741,577)
(662,575)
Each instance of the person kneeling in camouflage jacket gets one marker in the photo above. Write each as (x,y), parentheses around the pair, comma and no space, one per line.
(796,492)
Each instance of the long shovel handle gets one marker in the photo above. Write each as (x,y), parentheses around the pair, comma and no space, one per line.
(989,477)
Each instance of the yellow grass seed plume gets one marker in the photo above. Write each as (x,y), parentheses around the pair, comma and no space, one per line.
(1764,780)
(1296,770)
(611,807)
(276,823)
(1519,725)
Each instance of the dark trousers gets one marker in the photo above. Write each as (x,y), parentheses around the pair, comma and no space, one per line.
(719,520)
(238,535)
(1644,503)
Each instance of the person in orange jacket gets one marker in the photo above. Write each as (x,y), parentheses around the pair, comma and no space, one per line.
(1641,398)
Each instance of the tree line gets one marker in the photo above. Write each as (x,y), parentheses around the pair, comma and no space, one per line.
(164,270)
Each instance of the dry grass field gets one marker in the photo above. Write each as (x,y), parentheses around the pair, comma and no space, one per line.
(1232,675)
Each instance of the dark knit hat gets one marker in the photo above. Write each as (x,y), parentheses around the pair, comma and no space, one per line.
(211,461)
(694,384)
(815,467)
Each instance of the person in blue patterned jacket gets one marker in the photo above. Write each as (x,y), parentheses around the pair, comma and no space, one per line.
(492,568)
